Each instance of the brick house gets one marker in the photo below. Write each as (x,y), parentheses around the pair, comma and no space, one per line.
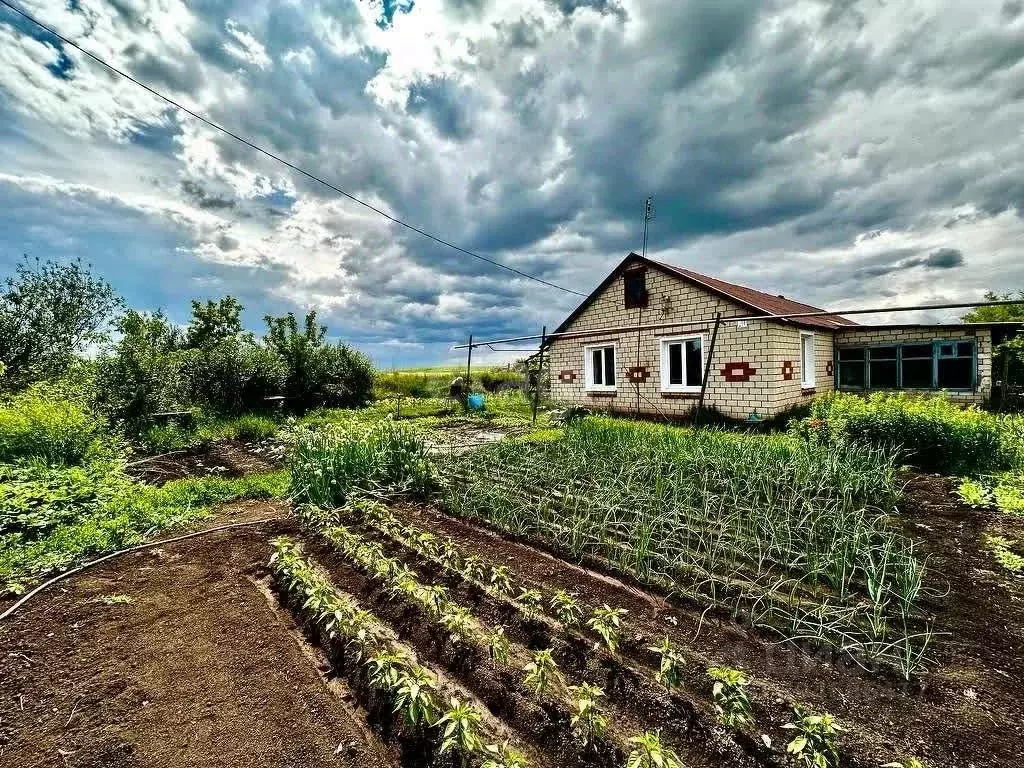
(640,343)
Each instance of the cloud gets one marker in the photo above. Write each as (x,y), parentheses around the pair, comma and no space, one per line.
(839,152)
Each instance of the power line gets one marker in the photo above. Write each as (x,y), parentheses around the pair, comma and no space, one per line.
(280,159)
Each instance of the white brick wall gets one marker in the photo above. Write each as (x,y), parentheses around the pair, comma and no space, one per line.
(762,345)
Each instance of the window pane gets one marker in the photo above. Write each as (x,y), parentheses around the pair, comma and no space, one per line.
(609,366)
(851,374)
(851,354)
(965,349)
(597,369)
(883,353)
(636,290)
(955,373)
(917,374)
(917,350)
(675,363)
(883,374)
(947,350)
(694,366)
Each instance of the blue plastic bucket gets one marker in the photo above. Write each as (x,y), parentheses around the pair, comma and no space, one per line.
(476,402)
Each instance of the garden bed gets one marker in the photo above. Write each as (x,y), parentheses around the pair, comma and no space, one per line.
(225,458)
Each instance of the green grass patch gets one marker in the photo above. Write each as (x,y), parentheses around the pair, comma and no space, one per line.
(163,438)
(43,422)
(54,517)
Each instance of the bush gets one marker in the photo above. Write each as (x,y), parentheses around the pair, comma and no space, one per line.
(233,375)
(935,434)
(44,422)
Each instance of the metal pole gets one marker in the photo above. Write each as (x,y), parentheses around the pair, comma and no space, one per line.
(540,369)
(707,367)
(469,363)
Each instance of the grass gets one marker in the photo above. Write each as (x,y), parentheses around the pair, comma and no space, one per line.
(207,429)
(44,422)
(54,517)
(433,382)
(790,535)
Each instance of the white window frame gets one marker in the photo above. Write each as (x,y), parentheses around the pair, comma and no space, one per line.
(588,367)
(664,341)
(807,371)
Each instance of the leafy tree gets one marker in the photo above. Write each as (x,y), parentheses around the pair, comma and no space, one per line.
(997,314)
(49,313)
(142,374)
(1009,345)
(214,322)
(318,373)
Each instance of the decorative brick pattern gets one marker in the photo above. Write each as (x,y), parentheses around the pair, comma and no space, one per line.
(829,369)
(738,371)
(567,376)
(787,370)
(638,374)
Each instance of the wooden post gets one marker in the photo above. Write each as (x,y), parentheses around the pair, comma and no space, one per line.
(707,366)
(540,368)
(469,364)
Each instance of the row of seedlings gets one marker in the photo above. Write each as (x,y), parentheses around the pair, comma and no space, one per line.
(579,707)
(815,739)
(428,708)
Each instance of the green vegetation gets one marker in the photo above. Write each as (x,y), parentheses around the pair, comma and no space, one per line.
(327,466)
(1004,491)
(795,535)
(52,517)
(44,421)
(730,696)
(1006,552)
(649,752)
(814,745)
(434,382)
(932,433)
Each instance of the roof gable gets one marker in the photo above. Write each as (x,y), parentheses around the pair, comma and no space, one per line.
(758,302)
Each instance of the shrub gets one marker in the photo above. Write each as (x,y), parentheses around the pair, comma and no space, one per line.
(233,376)
(318,374)
(41,422)
(935,434)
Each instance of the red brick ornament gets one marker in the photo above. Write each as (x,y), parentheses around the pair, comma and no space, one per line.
(638,374)
(828,368)
(787,370)
(567,376)
(738,371)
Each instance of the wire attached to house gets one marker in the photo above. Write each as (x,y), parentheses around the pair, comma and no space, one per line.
(207,121)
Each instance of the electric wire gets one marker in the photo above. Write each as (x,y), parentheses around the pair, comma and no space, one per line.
(278,158)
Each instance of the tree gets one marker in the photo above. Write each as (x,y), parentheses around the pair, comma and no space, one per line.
(142,373)
(1003,313)
(318,373)
(49,313)
(1008,344)
(214,322)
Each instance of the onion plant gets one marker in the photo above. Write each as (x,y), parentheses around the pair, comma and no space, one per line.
(800,537)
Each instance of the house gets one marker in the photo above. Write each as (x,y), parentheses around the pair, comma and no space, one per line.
(641,341)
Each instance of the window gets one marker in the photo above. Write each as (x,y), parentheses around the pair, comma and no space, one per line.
(852,371)
(883,372)
(682,364)
(636,288)
(928,365)
(807,360)
(599,364)
(955,369)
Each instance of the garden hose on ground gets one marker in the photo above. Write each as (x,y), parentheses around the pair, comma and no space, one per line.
(138,547)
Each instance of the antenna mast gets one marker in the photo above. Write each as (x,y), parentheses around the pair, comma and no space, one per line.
(648,215)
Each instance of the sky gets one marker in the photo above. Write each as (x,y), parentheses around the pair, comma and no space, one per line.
(845,153)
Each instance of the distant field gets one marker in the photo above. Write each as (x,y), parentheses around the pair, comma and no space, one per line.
(433,381)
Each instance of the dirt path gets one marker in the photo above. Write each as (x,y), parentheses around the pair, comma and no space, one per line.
(198,669)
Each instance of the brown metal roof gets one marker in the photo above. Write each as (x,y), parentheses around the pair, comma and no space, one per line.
(756,301)
(759,300)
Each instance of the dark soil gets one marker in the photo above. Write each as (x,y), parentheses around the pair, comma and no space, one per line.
(198,669)
(228,458)
(966,711)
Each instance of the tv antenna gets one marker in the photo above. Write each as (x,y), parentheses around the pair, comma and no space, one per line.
(648,215)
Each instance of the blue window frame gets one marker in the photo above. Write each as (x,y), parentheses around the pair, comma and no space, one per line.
(932,365)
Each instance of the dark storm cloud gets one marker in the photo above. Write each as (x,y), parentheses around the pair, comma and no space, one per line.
(944,258)
(204,199)
(941,259)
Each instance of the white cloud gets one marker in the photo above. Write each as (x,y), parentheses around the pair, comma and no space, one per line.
(245,47)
